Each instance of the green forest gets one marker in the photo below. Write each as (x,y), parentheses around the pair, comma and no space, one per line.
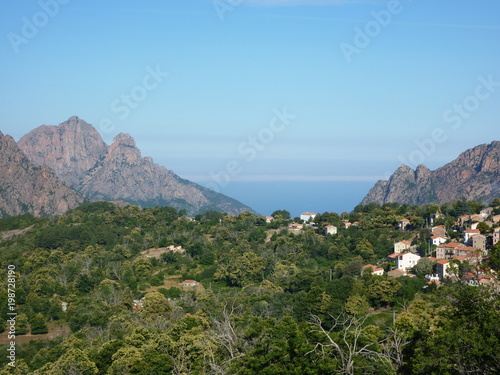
(94,293)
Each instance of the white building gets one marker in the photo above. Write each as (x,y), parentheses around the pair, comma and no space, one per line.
(438,240)
(374,270)
(405,261)
(306,216)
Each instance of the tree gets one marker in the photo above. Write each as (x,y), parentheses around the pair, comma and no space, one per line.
(127,360)
(382,289)
(73,362)
(172,292)
(459,336)
(424,266)
(38,325)
(357,305)
(21,324)
(283,214)
(353,268)
(21,368)
(495,256)
(239,270)
(484,228)
(103,356)
(276,347)
(352,344)
(155,304)
(142,268)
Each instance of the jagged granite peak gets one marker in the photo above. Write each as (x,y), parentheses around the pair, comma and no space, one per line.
(71,149)
(27,188)
(474,175)
(124,139)
(118,172)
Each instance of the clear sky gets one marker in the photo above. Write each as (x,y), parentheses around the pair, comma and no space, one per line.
(282,104)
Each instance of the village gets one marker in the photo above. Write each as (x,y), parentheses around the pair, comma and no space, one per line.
(468,246)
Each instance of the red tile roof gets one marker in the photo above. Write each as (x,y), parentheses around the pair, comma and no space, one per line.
(472,231)
(467,248)
(451,245)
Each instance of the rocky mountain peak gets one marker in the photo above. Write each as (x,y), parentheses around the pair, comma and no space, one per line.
(422,173)
(29,188)
(123,150)
(8,144)
(474,175)
(71,148)
(79,157)
(124,139)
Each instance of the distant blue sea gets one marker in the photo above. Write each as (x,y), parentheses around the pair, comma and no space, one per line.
(298,197)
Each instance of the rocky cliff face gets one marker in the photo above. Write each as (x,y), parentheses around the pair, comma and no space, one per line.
(27,188)
(475,175)
(76,152)
(71,149)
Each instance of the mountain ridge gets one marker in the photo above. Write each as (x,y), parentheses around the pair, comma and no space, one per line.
(118,172)
(474,175)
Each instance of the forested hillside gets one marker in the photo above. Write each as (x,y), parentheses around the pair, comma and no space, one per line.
(269,300)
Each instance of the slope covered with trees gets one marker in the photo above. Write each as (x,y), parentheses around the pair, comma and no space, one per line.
(270,300)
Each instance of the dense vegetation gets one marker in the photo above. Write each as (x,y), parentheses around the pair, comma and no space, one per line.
(271,301)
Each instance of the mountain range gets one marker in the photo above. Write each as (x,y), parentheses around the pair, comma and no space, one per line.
(77,164)
(54,168)
(474,175)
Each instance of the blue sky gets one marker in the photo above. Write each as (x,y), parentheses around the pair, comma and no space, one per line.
(364,86)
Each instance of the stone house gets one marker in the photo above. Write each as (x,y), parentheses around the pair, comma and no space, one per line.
(401,246)
(446,251)
(496,236)
(190,283)
(469,233)
(331,229)
(403,224)
(479,242)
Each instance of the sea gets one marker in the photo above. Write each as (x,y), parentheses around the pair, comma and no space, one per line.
(299,197)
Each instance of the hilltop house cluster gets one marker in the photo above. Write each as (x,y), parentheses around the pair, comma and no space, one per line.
(473,247)
(308,219)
